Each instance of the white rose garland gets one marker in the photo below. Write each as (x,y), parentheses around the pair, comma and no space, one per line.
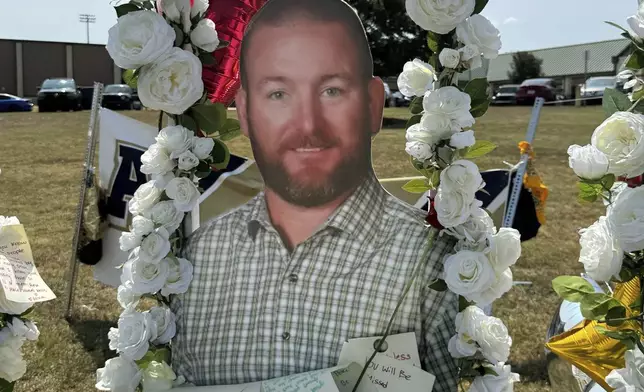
(156,45)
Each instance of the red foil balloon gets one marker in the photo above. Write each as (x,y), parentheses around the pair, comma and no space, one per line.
(231,17)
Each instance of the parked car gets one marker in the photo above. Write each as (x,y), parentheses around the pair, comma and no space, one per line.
(399,99)
(118,96)
(532,88)
(136,102)
(594,88)
(87,94)
(59,94)
(11,103)
(389,99)
(505,95)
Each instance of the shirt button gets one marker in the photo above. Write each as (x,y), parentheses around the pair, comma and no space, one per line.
(293,278)
(286,336)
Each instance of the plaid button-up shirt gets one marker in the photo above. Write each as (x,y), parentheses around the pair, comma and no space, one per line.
(256,311)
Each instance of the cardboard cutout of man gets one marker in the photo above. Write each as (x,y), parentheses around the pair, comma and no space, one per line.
(323,253)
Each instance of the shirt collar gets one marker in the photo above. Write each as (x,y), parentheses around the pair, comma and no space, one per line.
(358,216)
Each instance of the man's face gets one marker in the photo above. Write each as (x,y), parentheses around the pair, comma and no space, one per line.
(309,111)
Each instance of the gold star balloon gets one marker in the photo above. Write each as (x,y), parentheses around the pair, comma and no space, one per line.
(590,351)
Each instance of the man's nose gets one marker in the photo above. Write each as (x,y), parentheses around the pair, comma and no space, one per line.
(308,115)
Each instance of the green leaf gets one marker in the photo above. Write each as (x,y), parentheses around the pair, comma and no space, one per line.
(438,285)
(210,117)
(618,26)
(480,148)
(595,306)
(608,181)
(220,155)
(480,109)
(207,58)
(572,288)
(480,5)
(589,192)
(416,105)
(154,355)
(628,337)
(416,186)
(6,386)
(638,95)
(635,61)
(615,101)
(432,41)
(433,61)
(434,179)
(230,130)
(477,89)
(413,120)
(131,77)
(489,370)
(187,121)
(618,312)
(203,170)
(179,36)
(463,303)
(126,8)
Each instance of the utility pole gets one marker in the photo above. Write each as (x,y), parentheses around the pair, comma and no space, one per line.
(87,19)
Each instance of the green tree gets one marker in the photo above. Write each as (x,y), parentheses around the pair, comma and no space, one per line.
(524,66)
(394,38)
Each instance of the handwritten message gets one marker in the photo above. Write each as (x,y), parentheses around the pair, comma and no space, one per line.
(386,373)
(19,277)
(316,381)
(401,347)
(347,377)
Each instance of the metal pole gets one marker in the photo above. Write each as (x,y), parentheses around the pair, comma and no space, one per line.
(86,178)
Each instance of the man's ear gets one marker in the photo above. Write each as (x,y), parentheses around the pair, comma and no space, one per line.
(241,105)
(376,103)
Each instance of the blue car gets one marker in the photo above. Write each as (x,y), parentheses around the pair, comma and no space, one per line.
(11,103)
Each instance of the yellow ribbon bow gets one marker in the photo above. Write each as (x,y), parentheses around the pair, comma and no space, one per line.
(532,181)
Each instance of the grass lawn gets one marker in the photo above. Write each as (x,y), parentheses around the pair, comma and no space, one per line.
(41,158)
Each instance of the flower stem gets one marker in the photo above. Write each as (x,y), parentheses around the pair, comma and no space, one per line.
(160,120)
(634,105)
(417,269)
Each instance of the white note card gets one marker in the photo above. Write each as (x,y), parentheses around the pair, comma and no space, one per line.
(401,347)
(388,374)
(19,277)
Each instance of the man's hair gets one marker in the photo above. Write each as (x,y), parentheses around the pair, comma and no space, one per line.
(277,12)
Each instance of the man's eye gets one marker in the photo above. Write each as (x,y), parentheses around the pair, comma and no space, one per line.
(332,91)
(276,95)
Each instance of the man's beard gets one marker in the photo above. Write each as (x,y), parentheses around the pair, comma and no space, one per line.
(348,174)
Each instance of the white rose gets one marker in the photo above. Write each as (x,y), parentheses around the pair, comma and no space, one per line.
(156,160)
(462,176)
(11,307)
(454,207)
(184,193)
(472,56)
(8,221)
(478,31)
(176,139)
(175,10)
(142,277)
(630,378)
(636,23)
(179,277)
(600,253)
(162,180)
(587,161)
(502,284)
(129,241)
(478,227)
(449,58)
(158,376)
(126,297)
(131,338)
(145,197)
(621,138)
(139,38)
(202,146)
(119,374)
(505,248)
(462,344)
(416,78)
(188,161)
(12,366)
(439,16)
(468,274)
(180,67)
(430,135)
(166,214)
(450,103)
(155,246)
(142,226)
(475,331)
(164,325)
(204,35)
(503,382)
(626,219)
(419,150)
(463,139)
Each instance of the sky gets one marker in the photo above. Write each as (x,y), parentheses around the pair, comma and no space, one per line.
(524,24)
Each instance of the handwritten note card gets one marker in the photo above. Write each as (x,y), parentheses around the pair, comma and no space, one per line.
(19,277)
(402,347)
(347,377)
(386,373)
